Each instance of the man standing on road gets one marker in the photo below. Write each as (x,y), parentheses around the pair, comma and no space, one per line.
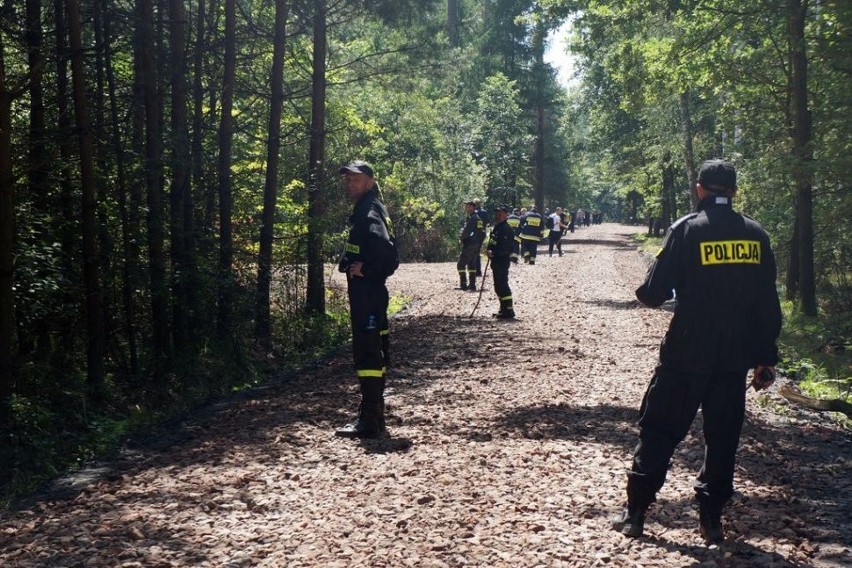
(370,257)
(500,249)
(555,236)
(470,239)
(719,266)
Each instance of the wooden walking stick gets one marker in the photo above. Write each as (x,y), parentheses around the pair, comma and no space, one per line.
(481,286)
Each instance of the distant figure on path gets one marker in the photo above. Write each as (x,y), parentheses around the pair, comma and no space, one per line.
(532,228)
(720,268)
(500,249)
(470,239)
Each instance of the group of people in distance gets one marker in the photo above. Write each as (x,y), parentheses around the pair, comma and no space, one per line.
(717,263)
(528,227)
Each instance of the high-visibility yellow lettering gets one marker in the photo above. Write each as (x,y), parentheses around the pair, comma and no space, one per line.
(730,252)
(354,249)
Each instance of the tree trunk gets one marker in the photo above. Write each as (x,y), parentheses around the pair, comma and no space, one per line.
(538,49)
(67,337)
(179,189)
(793,263)
(453,22)
(198,231)
(7,231)
(91,268)
(37,170)
(667,197)
(129,228)
(154,198)
(226,133)
(802,154)
(315,301)
(263,331)
(688,155)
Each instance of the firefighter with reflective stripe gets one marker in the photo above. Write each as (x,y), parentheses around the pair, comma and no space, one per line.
(532,229)
(500,247)
(470,238)
(720,268)
(370,257)
(514,222)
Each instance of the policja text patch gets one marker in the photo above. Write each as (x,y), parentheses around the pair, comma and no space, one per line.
(730,252)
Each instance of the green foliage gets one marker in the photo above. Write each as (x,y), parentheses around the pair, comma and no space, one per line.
(817,353)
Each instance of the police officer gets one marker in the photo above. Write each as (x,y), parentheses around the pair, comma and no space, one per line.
(720,268)
(470,238)
(370,257)
(532,227)
(499,250)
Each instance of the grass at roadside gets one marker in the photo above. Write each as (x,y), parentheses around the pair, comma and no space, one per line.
(815,353)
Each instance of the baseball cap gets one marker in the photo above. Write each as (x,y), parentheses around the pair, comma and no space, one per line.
(717,175)
(357,167)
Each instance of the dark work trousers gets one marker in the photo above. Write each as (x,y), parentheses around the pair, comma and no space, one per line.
(529,249)
(478,255)
(467,261)
(500,270)
(555,239)
(384,328)
(668,409)
(368,313)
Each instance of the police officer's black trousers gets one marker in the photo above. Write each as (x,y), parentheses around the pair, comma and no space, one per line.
(668,409)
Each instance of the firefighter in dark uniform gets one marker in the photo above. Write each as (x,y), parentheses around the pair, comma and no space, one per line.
(514,222)
(483,214)
(470,238)
(500,249)
(719,267)
(370,257)
(532,227)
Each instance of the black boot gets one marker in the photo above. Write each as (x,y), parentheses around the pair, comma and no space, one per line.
(710,525)
(631,521)
(371,412)
(506,310)
(462,281)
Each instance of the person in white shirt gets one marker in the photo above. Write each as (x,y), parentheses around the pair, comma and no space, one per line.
(556,232)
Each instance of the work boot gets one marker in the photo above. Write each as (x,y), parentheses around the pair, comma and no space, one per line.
(631,522)
(506,310)
(472,286)
(370,423)
(710,526)
(462,282)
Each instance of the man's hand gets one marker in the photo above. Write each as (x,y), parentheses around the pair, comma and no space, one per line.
(763,377)
(355,269)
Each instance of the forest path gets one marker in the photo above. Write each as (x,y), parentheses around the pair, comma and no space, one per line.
(509,444)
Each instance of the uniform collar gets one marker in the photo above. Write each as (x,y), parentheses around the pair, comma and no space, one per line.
(714,201)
